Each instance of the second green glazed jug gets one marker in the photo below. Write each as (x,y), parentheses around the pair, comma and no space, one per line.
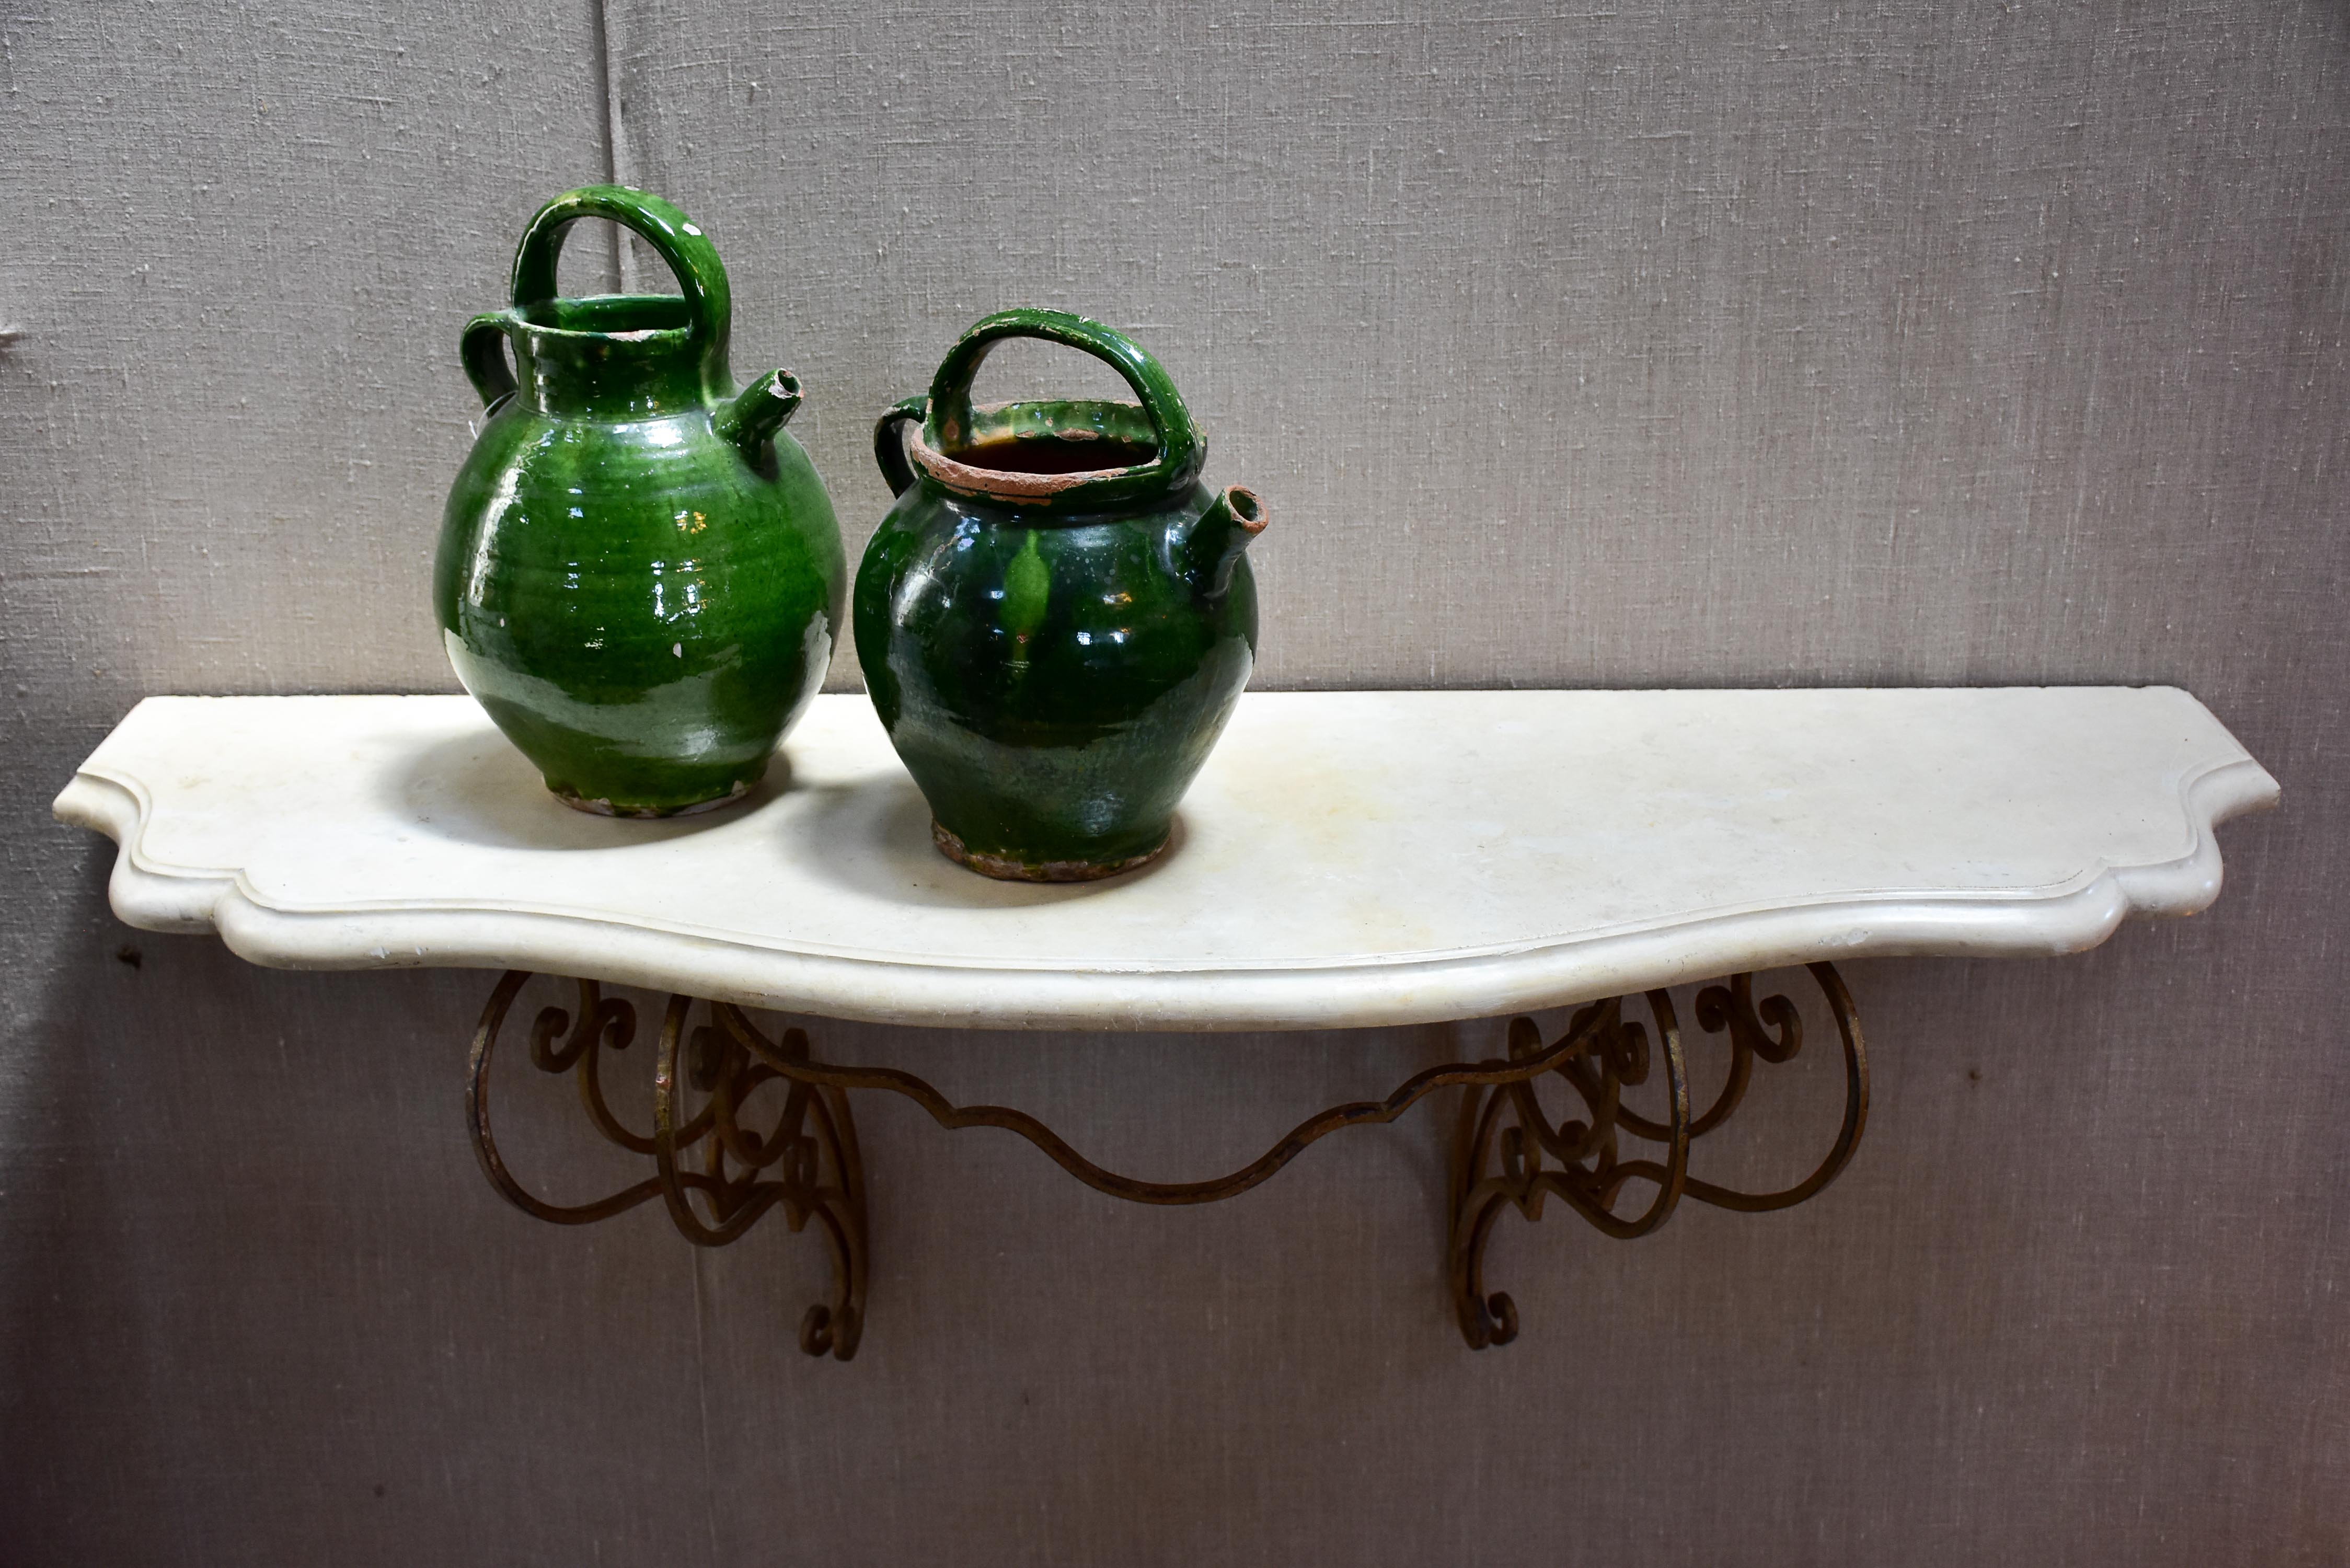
(640,574)
(1057,617)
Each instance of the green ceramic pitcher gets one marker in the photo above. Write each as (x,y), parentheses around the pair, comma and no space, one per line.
(640,574)
(1057,617)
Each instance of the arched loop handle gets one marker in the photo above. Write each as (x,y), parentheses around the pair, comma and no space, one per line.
(700,276)
(482,350)
(889,443)
(950,423)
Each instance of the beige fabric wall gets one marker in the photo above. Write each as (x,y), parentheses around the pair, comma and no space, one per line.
(1699,343)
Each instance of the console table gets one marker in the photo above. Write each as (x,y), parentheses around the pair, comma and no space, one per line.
(1346,859)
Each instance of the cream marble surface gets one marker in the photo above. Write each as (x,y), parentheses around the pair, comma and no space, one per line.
(1345,858)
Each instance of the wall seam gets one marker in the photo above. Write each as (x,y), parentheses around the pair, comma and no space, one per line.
(608,128)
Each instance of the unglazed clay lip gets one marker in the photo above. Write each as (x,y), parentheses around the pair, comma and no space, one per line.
(1008,870)
(1007,485)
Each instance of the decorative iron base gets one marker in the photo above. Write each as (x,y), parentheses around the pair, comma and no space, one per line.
(806,1164)
(1495,1164)
(811,1149)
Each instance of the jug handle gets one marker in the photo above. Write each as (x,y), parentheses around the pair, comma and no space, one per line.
(889,443)
(700,276)
(1179,452)
(484,351)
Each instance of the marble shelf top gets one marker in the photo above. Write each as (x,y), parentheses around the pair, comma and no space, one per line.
(1347,859)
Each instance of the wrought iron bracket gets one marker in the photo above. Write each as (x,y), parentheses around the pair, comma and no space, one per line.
(806,1164)
(1507,1151)
(1503,1136)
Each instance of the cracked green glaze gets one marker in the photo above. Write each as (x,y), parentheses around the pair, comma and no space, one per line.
(1057,617)
(639,576)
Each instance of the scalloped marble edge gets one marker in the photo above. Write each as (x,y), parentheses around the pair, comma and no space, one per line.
(1321,997)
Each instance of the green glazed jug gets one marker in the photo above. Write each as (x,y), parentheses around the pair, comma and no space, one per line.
(640,574)
(1057,617)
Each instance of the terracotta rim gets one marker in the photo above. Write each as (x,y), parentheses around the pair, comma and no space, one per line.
(1007,484)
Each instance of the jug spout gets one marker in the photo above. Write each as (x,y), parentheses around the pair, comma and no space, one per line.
(752,420)
(1214,546)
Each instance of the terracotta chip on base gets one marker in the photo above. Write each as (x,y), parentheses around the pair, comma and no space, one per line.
(1008,870)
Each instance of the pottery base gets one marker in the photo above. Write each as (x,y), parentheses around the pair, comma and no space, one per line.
(606,808)
(1006,870)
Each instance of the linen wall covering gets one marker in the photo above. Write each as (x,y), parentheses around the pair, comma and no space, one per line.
(1712,343)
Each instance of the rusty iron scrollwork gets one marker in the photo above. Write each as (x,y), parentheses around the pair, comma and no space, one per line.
(717,1176)
(1508,1152)
(716,1173)
(955,1118)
